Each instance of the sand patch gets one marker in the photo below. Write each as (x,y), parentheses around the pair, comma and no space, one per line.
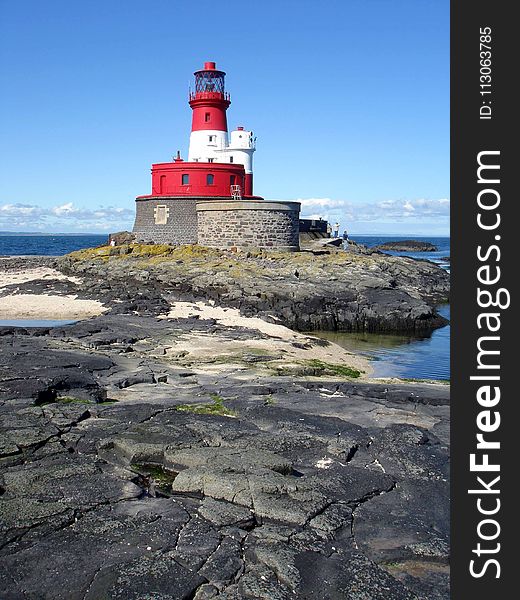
(283,343)
(230,317)
(32,306)
(44,306)
(18,277)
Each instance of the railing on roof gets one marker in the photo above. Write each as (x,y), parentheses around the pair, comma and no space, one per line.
(209,96)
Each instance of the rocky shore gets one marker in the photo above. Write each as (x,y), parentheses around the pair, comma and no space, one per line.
(306,291)
(177,446)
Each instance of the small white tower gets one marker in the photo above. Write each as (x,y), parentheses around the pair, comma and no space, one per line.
(240,150)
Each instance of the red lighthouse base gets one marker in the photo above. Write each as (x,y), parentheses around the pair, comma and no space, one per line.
(198,179)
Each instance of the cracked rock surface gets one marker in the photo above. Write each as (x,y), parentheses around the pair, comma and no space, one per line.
(130,470)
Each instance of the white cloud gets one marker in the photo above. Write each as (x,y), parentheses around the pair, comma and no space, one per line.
(18,209)
(314,216)
(64,218)
(65,209)
(67,217)
(388,211)
(321,202)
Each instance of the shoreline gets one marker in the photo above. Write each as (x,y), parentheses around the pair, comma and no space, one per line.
(56,304)
(290,345)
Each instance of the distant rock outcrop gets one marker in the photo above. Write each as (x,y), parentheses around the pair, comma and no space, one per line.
(407,246)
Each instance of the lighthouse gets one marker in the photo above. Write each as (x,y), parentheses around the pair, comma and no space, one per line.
(209,198)
(209,140)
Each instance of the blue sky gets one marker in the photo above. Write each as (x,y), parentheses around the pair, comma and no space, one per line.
(349,100)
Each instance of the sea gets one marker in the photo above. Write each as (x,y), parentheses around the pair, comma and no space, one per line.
(402,356)
(47,245)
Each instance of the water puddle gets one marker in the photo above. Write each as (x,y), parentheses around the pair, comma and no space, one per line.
(401,356)
(34,322)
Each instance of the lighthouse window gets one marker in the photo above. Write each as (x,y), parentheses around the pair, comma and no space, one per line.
(185,179)
(230,159)
(210,179)
(207,117)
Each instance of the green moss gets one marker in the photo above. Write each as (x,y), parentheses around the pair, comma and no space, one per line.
(392,566)
(71,400)
(417,380)
(248,357)
(150,249)
(242,266)
(125,250)
(329,368)
(211,408)
(189,252)
(224,359)
(194,250)
(162,477)
(317,368)
(89,253)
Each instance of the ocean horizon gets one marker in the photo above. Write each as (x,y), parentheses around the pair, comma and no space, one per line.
(57,244)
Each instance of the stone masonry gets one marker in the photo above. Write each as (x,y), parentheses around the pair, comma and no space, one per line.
(166,220)
(249,224)
(217,222)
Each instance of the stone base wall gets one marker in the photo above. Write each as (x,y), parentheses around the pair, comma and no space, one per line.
(166,220)
(249,224)
(217,223)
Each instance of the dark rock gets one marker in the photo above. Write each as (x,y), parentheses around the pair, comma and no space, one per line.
(307,489)
(121,238)
(348,574)
(346,291)
(407,246)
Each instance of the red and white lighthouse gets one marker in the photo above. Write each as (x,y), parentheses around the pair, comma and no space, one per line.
(217,173)
(217,163)
(209,140)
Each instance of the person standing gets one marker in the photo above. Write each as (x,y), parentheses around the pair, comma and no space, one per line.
(329,229)
(336,229)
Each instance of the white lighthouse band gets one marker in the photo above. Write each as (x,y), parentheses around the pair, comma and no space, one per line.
(210,145)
